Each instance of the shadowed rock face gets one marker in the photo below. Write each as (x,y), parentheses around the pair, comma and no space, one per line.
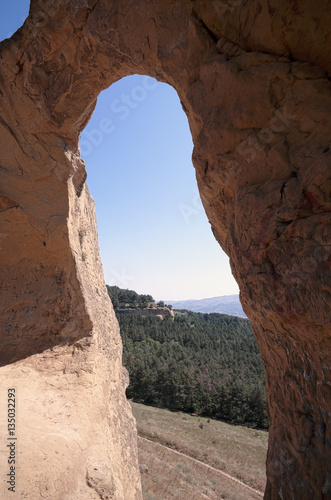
(252,78)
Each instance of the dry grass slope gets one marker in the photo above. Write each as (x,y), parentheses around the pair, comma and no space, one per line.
(238,451)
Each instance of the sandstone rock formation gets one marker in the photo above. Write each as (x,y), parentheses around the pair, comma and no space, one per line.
(253,80)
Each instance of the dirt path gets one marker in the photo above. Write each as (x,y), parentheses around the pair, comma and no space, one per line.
(254,494)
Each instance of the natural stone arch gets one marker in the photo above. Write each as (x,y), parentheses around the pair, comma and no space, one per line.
(256,94)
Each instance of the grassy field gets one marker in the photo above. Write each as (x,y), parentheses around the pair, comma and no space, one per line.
(236,450)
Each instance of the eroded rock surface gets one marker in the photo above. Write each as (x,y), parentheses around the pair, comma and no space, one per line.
(253,81)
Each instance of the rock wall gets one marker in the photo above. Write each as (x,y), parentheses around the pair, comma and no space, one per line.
(253,80)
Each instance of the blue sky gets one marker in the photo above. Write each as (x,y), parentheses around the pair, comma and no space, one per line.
(154,235)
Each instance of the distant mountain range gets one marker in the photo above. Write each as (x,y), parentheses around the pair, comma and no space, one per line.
(226,304)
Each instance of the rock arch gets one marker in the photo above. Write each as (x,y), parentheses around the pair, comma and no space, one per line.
(257,96)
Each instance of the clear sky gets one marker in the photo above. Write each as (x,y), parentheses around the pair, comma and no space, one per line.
(154,235)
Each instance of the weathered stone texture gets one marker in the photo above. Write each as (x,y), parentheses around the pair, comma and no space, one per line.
(253,80)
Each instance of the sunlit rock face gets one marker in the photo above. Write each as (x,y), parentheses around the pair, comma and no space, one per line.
(253,81)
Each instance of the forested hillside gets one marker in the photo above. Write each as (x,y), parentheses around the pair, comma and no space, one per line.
(123,298)
(199,363)
(128,298)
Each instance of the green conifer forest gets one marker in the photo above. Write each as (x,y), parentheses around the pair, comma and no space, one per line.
(199,363)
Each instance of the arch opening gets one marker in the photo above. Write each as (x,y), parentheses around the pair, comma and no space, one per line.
(153,232)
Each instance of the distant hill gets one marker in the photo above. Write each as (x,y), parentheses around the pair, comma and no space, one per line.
(197,363)
(226,304)
(191,361)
